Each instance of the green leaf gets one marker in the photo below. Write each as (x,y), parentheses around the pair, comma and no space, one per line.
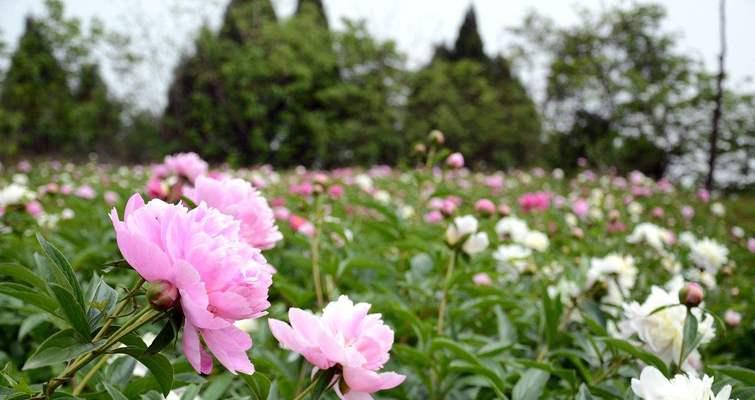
(464,354)
(744,375)
(58,348)
(28,296)
(531,385)
(258,384)
(30,323)
(218,387)
(62,271)
(166,335)
(157,364)
(324,382)
(584,393)
(506,330)
(114,393)
(23,274)
(633,350)
(102,301)
(191,392)
(273,394)
(691,339)
(72,310)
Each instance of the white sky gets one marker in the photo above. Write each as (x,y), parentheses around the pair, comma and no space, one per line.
(163,29)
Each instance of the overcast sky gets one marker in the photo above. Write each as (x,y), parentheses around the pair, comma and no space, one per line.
(163,29)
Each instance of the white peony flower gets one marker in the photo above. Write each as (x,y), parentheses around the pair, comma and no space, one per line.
(662,332)
(565,289)
(717,209)
(15,194)
(708,254)
(364,182)
(460,227)
(536,240)
(512,255)
(652,385)
(618,273)
(476,243)
(512,227)
(651,234)
(382,196)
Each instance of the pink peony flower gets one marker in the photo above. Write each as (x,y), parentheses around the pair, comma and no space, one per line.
(301,225)
(335,192)
(66,189)
(732,318)
(187,165)
(240,200)
(485,207)
(86,192)
(304,189)
(344,337)
(751,244)
(688,212)
(281,213)
(34,208)
(580,208)
(156,189)
(482,279)
(537,201)
(455,160)
(449,206)
(703,195)
(658,212)
(433,217)
(24,166)
(219,278)
(111,198)
(494,182)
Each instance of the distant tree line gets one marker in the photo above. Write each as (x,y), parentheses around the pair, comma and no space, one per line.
(261,89)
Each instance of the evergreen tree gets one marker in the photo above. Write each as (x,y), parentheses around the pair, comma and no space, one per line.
(316,7)
(97,115)
(243,18)
(36,90)
(468,43)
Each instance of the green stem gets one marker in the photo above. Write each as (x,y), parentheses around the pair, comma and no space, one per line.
(306,390)
(111,318)
(315,250)
(82,384)
(444,294)
(137,321)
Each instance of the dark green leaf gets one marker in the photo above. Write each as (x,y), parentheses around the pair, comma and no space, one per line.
(324,382)
(218,387)
(102,301)
(23,274)
(62,271)
(258,384)
(114,393)
(60,347)
(744,375)
(691,337)
(28,296)
(637,352)
(166,335)
(157,364)
(72,310)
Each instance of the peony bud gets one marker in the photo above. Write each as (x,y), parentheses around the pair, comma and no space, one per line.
(437,137)
(162,295)
(691,295)
(455,161)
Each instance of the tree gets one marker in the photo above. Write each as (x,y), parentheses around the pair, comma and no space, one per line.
(620,66)
(36,90)
(487,114)
(316,8)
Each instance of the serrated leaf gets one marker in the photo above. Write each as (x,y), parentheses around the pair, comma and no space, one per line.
(58,348)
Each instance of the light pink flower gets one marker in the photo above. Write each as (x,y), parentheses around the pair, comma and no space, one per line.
(219,277)
(688,212)
(281,213)
(732,318)
(482,279)
(703,195)
(24,166)
(345,336)
(240,200)
(455,160)
(304,189)
(485,206)
(580,208)
(156,189)
(751,244)
(86,192)
(433,217)
(34,208)
(658,212)
(494,182)
(187,165)
(111,197)
(335,192)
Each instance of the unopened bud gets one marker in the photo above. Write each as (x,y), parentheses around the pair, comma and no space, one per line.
(437,137)
(420,148)
(162,295)
(691,295)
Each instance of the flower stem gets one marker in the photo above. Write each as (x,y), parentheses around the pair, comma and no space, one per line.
(82,384)
(444,294)
(306,390)
(315,250)
(111,318)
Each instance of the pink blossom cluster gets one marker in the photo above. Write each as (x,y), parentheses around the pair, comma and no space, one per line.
(535,201)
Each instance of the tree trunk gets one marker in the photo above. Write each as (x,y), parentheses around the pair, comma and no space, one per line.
(718,99)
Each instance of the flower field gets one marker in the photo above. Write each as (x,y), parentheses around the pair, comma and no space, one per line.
(437,282)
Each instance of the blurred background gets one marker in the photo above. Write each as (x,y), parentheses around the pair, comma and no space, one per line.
(611,84)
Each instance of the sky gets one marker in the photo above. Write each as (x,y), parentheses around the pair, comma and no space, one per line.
(163,30)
